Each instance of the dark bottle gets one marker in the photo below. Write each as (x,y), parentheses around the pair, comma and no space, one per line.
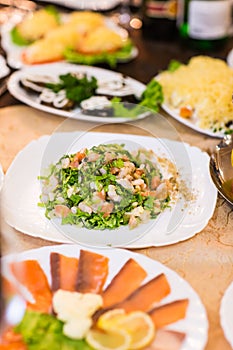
(204,24)
(159,19)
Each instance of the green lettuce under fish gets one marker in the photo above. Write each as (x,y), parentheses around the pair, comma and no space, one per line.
(43,331)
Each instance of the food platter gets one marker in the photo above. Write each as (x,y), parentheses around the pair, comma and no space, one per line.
(184,220)
(14,52)
(189,99)
(24,96)
(195,324)
(226,312)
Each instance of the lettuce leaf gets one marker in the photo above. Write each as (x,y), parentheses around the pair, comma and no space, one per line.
(43,331)
(111,58)
(18,39)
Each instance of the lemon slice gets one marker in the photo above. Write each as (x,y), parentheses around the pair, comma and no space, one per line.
(108,339)
(138,325)
(110,318)
(232,157)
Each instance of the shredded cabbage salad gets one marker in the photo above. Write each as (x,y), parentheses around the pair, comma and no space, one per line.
(105,187)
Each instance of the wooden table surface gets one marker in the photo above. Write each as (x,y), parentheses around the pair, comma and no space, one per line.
(206,260)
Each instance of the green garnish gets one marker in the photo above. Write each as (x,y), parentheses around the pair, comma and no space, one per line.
(18,39)
(152,97)
(173,65)
(105,57)
(76,89)
(43,331)
(53,11)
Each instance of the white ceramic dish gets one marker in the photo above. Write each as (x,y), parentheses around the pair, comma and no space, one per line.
(1,177)
(52,69)
(173,113)
(14,52)
(96,5)
(226,314)
(182,221)
(195,324)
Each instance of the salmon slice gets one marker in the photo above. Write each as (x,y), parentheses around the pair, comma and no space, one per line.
(92,272)
(167,340)
(169,313)
(124,283)
(8,288)
(12,341)
(145,296)
(30,274)
(64,272)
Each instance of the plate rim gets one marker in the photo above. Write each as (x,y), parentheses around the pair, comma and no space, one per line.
(222,312)
(172,113)
(152,266)
(132,245)
(16,90)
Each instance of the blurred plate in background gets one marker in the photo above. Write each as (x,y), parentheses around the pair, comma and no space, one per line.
(99,5)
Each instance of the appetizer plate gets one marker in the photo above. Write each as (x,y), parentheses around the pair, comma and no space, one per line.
(195,324)
(14,52)
(226,314)
(190,123)
(52,70)
(183,220)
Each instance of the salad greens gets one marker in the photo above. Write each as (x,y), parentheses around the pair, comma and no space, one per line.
(110,58)
(43,331)
(152,97)
(104,187)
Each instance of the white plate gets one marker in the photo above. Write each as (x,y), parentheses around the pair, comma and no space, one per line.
(1,177)
(182,221)
(96,5)
(195,324)
(4,70)
(14,52)
(175,114)
(226,314)
(52,69)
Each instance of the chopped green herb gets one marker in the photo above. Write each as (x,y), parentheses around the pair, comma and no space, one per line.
(76,89)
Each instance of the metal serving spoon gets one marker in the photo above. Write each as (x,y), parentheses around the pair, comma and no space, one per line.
(221,169)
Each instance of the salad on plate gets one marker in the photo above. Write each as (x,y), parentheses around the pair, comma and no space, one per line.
(106,187)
